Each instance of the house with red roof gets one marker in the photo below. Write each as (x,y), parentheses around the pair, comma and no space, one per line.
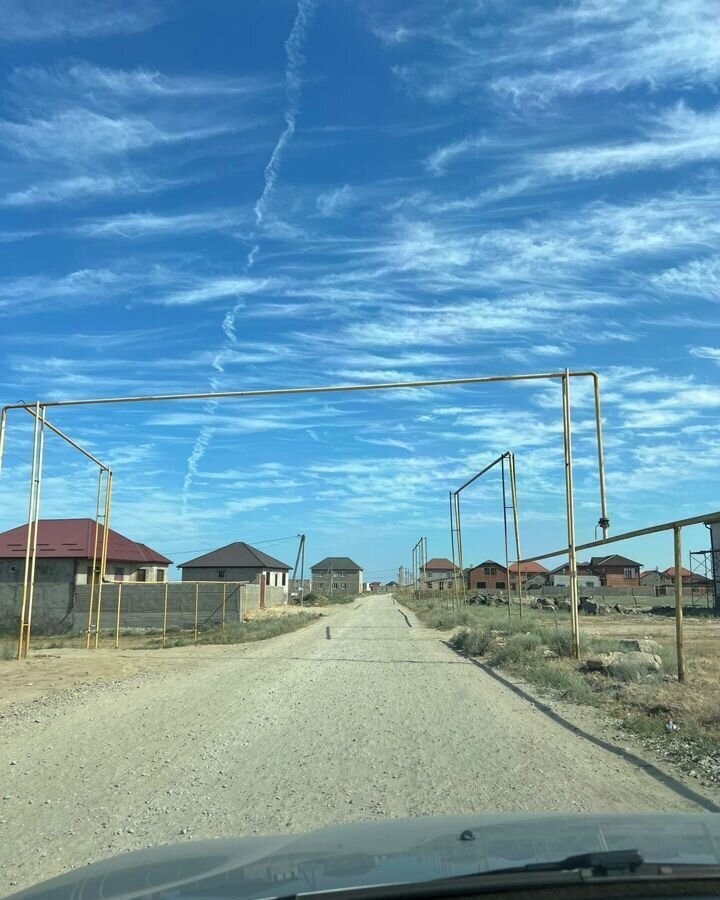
(531,574)
(438,573)
(65,550)
(487,576)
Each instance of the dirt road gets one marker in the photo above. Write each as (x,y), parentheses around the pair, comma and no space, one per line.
(364,714)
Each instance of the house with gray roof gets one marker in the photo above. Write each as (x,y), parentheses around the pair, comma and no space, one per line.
(337,575)
(237,562)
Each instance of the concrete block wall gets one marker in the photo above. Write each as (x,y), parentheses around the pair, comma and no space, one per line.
(141,605)
(274,596)
(52,607)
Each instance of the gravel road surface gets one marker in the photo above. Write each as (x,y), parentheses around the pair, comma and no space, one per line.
(362,715)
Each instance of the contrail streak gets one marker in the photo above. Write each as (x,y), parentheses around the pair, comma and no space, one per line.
(293,88)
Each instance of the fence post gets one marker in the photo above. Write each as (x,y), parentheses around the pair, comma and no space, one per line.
(165,606)
(679,638)
(197,606)
(223,607)
(117,615)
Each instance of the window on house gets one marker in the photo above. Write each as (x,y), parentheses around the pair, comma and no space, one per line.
(221,573)
(160,575)
(267,578)
(629,573)
(480,584)
(486,570)
(500,585)
(284,579)
(339,585)
(119,573)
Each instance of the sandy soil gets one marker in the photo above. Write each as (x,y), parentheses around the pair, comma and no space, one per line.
(363,714)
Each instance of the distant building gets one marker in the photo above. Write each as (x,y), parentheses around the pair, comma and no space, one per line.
(663,583)
(616,570)
(438,574)
(337,575)
(532,574)
(654,578)
(65,554)
(560,576)
(487,576)
(237,562)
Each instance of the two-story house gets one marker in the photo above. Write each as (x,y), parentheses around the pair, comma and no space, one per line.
(487,576)
(616,570)
(337,575)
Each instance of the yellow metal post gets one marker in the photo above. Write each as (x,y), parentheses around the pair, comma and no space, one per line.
(91,600)
(31,509)
(197,608)
(570,510)
(117,615)
(103,557)
(679,637)
(165,606)
(604,521)
(505,535)
(3,425)
(223,606)
(36,518)
(516,526)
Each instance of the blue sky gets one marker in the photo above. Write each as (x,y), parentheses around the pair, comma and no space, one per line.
(231,195)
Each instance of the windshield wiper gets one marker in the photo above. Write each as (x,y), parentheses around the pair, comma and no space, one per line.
(598,863)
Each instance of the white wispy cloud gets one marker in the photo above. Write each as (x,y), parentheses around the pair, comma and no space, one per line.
(134,225)
(83,134)
(102,84)
(699,278)
(675,137)
(552,50)
(246,504)
(42,20)
(216,289)
(83,187)
(332,203)
(21,295)
(712,353)
(466,321)
(438,161)
(588,47)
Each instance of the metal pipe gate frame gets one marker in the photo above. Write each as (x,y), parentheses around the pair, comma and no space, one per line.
(36,470)
(38,408)
(676,527)
(456,527)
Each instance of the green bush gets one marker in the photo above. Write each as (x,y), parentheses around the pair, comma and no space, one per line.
(569,684)
(473,641)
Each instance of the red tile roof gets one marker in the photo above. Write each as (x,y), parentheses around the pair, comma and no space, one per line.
(488,562)
(530,568)
(439,564)
(614,560)
(686,573)
(74,539)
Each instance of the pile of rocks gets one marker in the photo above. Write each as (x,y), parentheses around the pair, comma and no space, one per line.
(635,658)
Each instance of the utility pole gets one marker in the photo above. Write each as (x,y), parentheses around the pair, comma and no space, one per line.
(300,551)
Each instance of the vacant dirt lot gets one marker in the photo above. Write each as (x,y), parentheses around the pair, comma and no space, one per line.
(364,714)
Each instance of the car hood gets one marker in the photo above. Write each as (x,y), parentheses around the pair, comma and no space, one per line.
(381,852)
